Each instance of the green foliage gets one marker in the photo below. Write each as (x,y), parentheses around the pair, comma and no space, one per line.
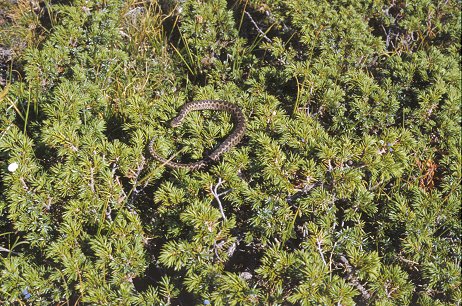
(345,189)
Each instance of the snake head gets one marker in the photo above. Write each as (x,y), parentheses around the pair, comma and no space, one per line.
(175,122)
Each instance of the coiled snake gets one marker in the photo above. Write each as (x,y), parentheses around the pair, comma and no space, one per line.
(233,139)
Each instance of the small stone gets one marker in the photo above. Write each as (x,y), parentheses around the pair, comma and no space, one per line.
(26,294)
(13,167)
(245,275)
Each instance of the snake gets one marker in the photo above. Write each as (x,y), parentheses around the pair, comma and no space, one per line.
(233,139)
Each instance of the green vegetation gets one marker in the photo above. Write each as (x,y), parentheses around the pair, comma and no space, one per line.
(345,189)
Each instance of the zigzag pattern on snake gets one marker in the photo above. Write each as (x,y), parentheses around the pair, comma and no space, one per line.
(234,138)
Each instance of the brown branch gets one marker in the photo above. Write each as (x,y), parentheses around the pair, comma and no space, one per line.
(354,279)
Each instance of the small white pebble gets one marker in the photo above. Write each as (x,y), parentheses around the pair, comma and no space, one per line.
(13,167)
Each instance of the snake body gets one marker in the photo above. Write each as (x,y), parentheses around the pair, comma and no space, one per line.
(233,139)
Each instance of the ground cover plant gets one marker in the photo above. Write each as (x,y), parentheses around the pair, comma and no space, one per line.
(344,191)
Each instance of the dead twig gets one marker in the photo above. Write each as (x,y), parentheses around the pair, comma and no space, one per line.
(354,279)
(256,26)
(216,195)
(2,249)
